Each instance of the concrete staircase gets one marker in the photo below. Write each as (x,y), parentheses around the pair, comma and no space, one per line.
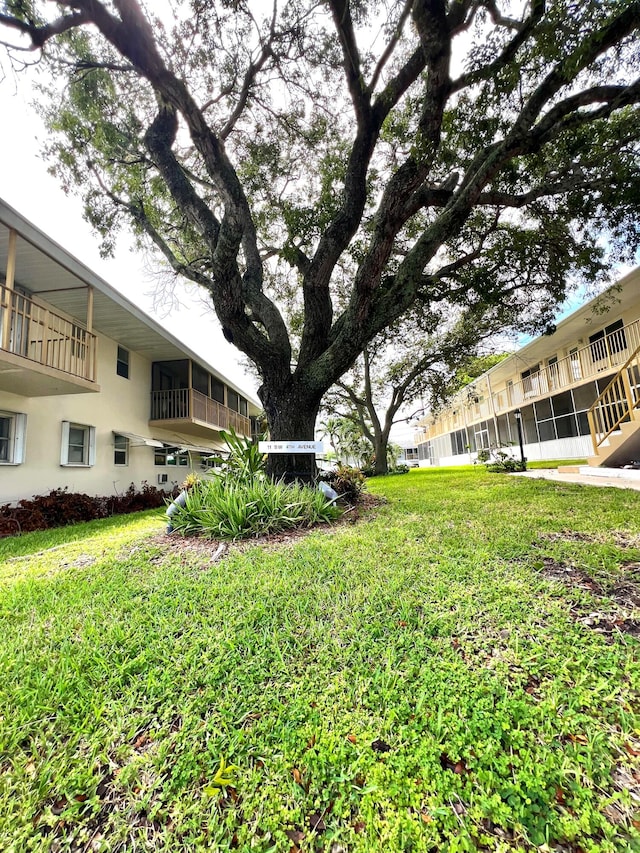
(614,418)
(620,448)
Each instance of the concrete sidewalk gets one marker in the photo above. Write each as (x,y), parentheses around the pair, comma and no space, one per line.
(619,478)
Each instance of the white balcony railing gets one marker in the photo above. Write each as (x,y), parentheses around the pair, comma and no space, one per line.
(189,404)
(35,333)
(604,355)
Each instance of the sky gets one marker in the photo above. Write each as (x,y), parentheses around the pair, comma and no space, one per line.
(27,186)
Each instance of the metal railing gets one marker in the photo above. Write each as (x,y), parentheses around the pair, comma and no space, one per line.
(599,356)
(38,334)
(617,403)
(187,403)
(602,355)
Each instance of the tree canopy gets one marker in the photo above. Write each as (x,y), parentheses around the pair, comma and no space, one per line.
(419,358)
(321,167)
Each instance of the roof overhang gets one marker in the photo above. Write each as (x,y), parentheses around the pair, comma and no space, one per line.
(139,440)
(45,269)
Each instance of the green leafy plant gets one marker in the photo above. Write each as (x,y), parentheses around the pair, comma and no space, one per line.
(235,508)
(504,463)
(483,456)
(348,482)
(498,461)
(223,778)
(245,461)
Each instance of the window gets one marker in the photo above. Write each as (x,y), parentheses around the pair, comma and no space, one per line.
(12,435)
(458,442)
(217,390)
(210,462)
(232,400)
(200,379)
(120,450)
(169,456)
(562,404)
(122,362)
(608,341)
(78,445)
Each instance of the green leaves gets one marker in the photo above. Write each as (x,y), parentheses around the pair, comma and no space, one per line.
(223,778)
(245,462)
(229,508)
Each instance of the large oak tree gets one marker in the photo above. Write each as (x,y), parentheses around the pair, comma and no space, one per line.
(321,167)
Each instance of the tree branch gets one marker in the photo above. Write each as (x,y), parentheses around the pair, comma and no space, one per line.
(486,72)
(341,14)
(249,78)
(41,33)
(391,46)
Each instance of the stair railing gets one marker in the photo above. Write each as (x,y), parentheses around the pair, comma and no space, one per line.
(617,403)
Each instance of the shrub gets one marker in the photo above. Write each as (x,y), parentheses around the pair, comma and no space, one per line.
(348,482)
(230,508)
(400,469)
(244,461)
(503,463)
(61,507)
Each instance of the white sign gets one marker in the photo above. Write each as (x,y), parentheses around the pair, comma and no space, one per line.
(290,447)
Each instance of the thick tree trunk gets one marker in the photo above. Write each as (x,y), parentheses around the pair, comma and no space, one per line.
(291,415)
(380,466)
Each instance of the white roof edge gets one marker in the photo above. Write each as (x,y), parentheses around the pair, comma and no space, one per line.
(34,235)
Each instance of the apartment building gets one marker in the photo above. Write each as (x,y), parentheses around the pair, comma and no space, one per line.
(94,394)
(574,393)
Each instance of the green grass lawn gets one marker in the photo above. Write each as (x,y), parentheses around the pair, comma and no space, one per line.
(418,681)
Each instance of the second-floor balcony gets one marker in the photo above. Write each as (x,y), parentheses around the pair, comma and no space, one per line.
(42,353)
(599,359)
(181,407)
(602,356)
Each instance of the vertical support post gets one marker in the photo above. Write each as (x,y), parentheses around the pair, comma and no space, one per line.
(492,405)
(592,430)
(5,332)
(627,391)
(89,309)
(518,416)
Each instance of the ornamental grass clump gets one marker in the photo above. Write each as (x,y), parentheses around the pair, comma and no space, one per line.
(226,508)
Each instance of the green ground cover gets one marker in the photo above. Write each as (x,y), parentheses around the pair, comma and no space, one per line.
(456,672)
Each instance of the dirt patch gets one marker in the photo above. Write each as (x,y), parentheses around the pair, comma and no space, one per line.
(619,538)
(624,592)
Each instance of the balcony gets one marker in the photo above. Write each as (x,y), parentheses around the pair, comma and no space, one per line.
(42,353)
(194,412)
(601,357)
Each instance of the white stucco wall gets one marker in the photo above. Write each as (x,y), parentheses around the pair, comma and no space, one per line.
(121,405)
(579,447)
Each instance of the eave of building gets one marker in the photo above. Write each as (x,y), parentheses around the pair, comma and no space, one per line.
(46,269)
